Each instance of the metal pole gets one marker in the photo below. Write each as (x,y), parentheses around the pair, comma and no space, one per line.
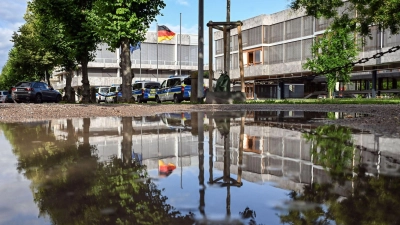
(157,48)
(180,44)
(241,67)
(210,59)
(227,36)
(200,75)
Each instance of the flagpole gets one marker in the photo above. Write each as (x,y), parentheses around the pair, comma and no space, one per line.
(157,48)
(140,62)
(180,44)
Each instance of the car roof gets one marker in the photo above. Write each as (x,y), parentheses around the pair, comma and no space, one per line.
(179,76)
(146,81)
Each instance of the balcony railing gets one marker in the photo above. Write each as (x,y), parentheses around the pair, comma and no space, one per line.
(146,62)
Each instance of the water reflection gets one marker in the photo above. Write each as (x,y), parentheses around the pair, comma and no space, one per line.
(263,168)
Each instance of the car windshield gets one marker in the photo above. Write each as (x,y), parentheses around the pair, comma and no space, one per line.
(152,85)
(5,92)
(24,84)
(103,90)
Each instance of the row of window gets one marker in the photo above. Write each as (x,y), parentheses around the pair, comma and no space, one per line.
(301,27)
(288,52)
(152,52)
(291,29)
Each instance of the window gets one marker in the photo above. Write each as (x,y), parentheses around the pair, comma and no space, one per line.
(308,25)
(219,46)
(293,51)
(276,54)
(276,33)
(44,86)
(254,57)
(266,34)
(293,28)
(173,82)
(137,86)
(254,36)
(164,84)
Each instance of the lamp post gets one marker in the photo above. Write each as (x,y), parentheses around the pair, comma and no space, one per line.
(200,66)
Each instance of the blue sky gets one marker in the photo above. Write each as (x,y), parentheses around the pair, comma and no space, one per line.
(12,11)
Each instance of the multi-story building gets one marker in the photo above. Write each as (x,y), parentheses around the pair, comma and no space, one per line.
(153,61)
(276,46)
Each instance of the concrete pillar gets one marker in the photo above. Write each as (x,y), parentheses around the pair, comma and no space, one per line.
(394,83)
(280,90)
(374,75)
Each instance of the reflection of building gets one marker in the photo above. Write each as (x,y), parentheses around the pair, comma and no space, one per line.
(280,154)
(152,139)
(273,151)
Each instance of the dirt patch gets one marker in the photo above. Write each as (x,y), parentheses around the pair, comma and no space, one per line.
(382,119)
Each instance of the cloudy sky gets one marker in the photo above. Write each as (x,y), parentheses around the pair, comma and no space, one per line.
(12,12)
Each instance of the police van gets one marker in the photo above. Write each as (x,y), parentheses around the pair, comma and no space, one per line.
(176,89)
(145,90)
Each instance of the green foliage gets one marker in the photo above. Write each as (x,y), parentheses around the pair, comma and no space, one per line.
(333,149)
(358,15)
(114,20)
(333,54)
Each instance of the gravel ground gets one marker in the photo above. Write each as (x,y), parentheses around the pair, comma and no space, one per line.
(381,119)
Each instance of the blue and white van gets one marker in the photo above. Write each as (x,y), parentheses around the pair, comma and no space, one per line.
(176,89)
(145,90)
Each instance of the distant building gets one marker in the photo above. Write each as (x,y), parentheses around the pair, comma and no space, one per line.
(174,57)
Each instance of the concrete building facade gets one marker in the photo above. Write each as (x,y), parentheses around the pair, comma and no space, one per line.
(276,46)
(153,61)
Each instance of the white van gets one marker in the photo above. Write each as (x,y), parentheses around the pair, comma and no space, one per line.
(101,94)
(3,96)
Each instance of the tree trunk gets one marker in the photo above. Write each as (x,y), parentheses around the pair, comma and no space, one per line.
(126,143)
(47,77)
(126,71)
(68,97)
(85,81)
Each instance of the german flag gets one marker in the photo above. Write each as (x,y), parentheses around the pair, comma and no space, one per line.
(164,33)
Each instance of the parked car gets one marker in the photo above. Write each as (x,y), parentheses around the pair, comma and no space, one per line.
(112,95)
(34,91)
(3,96)
(144,90)
(101,94)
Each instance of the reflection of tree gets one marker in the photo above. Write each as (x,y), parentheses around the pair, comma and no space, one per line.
(332,147)
(70,186)
(313,196)
(250,215)
(371,200)
(126,144)
(376,200)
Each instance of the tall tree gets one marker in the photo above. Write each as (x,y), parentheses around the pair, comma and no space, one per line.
(33,59)
(51,34)
(333,54)
(121,23)
(72,16)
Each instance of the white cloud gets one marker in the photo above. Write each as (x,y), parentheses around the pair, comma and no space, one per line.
(182,2)
(12,13)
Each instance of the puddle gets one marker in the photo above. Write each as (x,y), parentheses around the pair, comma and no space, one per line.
(192,168)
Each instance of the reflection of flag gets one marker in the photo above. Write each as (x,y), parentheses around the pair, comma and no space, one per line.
(164,33)
(165,170)
(137,46)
